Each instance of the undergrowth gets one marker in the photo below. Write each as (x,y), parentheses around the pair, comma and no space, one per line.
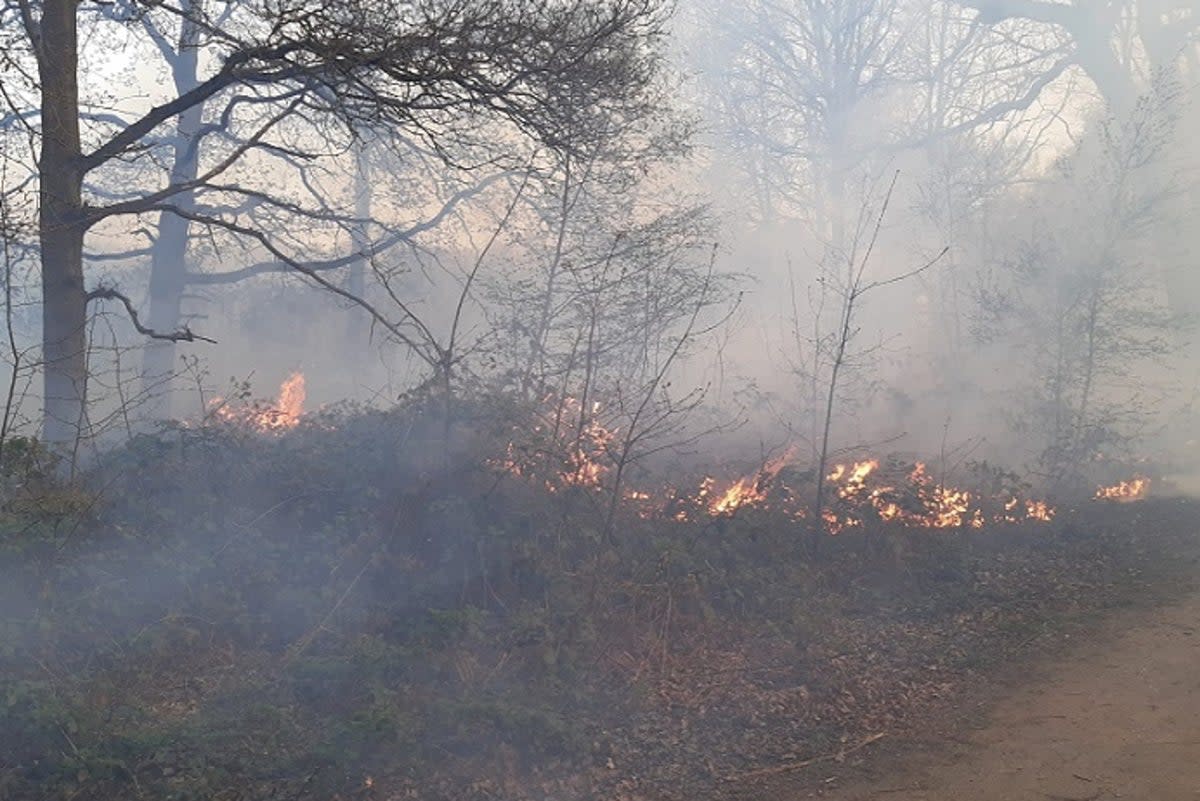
(351,608)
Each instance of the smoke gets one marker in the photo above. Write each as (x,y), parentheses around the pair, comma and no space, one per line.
(1056,329)
(480,395)
(1052,163)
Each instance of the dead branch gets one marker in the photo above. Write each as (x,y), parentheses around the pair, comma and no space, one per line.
(185,334)
(788,767)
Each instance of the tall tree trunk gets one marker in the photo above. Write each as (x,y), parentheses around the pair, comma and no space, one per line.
(358,326)
(62,225)
(356,281)
(167,283)
(168,256)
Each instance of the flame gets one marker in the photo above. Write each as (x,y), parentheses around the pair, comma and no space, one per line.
(290,405)
(578,454)
(1135,489)
(912,500)
(1039,510)
(572,450)
(284,415)
(945,507)
(856,477)
(922,503)
(850,484)
(585,465)
(751,490)
(745,492)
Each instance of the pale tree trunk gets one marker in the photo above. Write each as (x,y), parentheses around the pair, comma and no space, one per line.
(167,283)
(358,327)
(354,342)
(1178,265)
(1168,54)
(168,257)
(62,225)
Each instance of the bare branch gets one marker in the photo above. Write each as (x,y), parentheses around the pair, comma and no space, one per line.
(905,276)
(385,244)
(183,335)
(139,205)
(232,73)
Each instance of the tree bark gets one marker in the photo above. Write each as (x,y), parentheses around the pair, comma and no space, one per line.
(62,225)
(168,261)
(358,326)
(168,255)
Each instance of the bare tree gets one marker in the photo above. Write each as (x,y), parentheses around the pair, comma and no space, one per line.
(793,80)
(837,347)
(1121,46)
(445,70)
(605,298)
(16,353)
(1127,50)
(1078,295)
(169,249)
(810,93)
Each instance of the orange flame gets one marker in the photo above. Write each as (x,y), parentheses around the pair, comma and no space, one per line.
(1039,510)
(573,450)
(945,507)
(290,405)
(855,477)
(1135,489)
(584,466)
(578,455)
(284,415)
(932,505)
(751,490)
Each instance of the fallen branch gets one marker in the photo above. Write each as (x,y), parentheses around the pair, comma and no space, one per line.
(793,766)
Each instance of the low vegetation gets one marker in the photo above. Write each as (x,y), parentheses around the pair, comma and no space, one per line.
(340,609)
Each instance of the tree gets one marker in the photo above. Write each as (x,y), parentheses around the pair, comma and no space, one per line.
(1121,46)
(808,94)
(445,71)
(835,350)
(1077,297)
(792,80)
(169,250)
(1126,49)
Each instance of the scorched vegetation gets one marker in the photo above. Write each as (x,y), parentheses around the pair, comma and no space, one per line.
(248,607)
(672,396)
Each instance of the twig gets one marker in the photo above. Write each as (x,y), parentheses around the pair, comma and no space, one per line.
(792,766)
(70,742)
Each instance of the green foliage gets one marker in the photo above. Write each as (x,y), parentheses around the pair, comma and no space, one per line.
(24,459)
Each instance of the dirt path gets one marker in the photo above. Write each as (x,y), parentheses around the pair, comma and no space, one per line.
(1118,717)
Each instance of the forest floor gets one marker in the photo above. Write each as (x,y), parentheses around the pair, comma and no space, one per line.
(305,618)
(1116,715)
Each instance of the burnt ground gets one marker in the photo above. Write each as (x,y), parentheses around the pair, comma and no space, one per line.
(1103,706)
(1115,716)
(996,692)
(213,627)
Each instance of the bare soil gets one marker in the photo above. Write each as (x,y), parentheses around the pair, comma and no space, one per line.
(1115,716)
